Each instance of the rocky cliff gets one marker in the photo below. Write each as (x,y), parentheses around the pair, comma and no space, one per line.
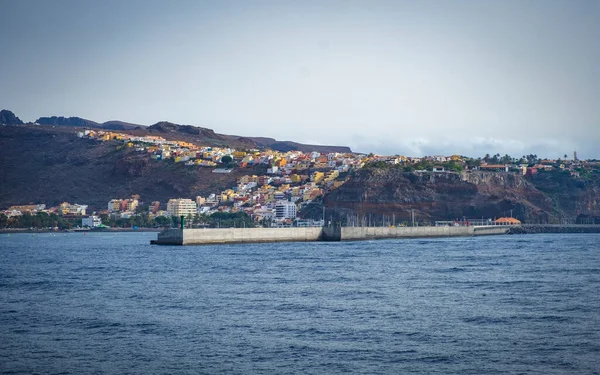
(448,196)
(571,196)
(9,118)
(67,121)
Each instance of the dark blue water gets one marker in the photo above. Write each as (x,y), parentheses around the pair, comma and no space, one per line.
(111,303)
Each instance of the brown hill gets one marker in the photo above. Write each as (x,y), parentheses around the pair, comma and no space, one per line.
(187,132)
(51,165)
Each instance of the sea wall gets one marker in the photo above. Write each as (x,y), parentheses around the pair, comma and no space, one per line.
(550,228)
(246,235)
(170,237)
(366,233)
(250,235)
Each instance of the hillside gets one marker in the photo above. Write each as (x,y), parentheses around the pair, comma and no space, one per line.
(51,165)
(448,196)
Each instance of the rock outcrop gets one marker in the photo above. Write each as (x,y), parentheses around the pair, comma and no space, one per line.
(67,121)
(9,118)
(450,196)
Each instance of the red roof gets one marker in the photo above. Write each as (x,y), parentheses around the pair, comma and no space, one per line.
(507,220)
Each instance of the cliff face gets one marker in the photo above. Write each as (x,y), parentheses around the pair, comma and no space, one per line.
(67,121)
(447,196)
(571,196)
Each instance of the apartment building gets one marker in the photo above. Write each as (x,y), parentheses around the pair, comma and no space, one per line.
(181,207)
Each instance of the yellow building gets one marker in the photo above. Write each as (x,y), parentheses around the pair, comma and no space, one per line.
(132,204)
(332,175)
(317,177)
(114,204)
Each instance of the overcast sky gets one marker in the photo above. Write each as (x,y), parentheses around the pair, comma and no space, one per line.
(390,77)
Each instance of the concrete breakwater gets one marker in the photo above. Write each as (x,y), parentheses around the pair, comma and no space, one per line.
(554,228)
(250,235)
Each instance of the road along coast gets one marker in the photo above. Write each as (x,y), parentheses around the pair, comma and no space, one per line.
(208,236)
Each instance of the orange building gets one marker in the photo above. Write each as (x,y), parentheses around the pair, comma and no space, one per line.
(507,221)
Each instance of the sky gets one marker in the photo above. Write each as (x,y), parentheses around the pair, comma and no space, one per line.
(390,77)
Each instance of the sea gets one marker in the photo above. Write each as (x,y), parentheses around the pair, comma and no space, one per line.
(111,303)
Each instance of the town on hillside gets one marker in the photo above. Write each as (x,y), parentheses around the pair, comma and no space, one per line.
(292,181)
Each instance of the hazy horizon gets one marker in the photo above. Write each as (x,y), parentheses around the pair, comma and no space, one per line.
(390,77)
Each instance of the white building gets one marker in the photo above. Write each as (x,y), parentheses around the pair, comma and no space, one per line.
(91,221)
(181,207)
(285,210)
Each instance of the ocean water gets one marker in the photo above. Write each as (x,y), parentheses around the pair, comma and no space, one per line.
(111,303)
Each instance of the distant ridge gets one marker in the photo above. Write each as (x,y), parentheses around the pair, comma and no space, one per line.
(190,133)
(67,121)
(9,118)
(285,146)
(81,122)
(120,125)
